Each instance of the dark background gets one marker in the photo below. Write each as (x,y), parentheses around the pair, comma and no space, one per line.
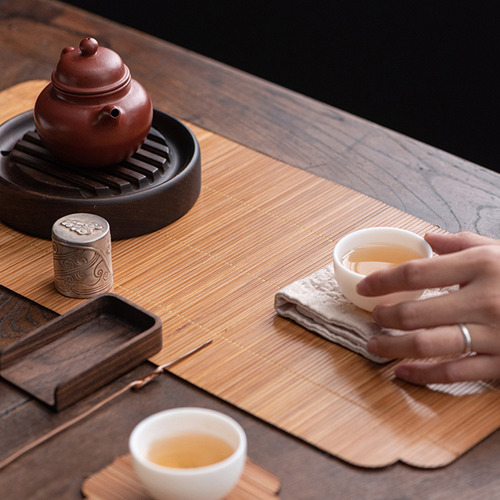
(427,69)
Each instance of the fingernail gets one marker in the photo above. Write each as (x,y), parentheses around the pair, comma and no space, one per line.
(361,287)
(372,345)
(375,314)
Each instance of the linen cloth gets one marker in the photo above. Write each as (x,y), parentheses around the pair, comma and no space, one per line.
(317,304)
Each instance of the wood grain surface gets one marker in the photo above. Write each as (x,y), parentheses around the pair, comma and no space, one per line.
(19,316)
(416,178)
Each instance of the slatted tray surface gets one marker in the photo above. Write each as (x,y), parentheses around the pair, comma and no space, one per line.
(143,168)
(258,225)
(118,481)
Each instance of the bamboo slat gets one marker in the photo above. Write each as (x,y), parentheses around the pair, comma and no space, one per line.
(118,481)
(258,225)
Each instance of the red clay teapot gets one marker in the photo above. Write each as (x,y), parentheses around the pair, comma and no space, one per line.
(92,114)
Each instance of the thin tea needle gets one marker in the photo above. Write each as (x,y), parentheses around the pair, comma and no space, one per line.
(139,384)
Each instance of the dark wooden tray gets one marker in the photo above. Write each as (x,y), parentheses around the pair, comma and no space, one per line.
(76,353)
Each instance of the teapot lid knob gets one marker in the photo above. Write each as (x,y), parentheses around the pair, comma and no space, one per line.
(91,70)
(89,46)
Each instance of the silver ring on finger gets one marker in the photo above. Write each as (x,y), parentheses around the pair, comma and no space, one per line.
(467,340)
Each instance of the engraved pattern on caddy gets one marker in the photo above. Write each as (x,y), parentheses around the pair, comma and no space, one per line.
(81,271)
(82,227)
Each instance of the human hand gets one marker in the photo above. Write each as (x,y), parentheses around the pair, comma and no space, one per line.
(465,259)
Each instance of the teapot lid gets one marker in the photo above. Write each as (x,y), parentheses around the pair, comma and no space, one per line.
(90,70)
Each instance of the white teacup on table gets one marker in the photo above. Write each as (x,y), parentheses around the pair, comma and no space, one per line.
(362,252)
(188,454)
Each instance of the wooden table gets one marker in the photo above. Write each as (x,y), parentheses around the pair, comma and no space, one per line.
(421,180)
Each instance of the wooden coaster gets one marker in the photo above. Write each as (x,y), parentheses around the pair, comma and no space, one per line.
(118,481)
(258,225)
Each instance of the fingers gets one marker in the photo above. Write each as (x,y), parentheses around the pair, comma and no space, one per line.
(446,270)
(417,275)
(440,342)
(426,313)
(420,344)
(435,342)
(449,243)
(476,367)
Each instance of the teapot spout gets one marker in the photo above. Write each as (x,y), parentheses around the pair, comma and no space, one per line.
(110,112)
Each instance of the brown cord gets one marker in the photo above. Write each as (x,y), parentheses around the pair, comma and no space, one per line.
(136,384)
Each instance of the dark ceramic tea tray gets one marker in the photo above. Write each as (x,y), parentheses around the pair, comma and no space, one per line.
(153,188)
(74,354)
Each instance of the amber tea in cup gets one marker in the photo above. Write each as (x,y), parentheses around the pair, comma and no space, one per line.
(367,259)
(187,450)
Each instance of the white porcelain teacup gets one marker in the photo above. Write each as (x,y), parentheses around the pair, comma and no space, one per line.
(347,278)
(185,482)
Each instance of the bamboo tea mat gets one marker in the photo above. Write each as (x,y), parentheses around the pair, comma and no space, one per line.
(118,481)
(259,225)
